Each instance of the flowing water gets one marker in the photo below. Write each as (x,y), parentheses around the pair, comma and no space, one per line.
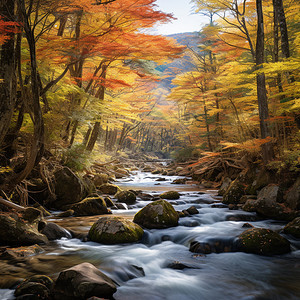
(161,267)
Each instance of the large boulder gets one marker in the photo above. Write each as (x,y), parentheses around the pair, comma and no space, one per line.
(262,179)
(268,205)
(53,231)
(234,192)
(158,214)
(110,189)
(15,231)
(293,228)
(69,189)
(115,230)
(224,187)
(90,206)
(82,282)
(170,195)
(127,197)
(262,241)
(292,197)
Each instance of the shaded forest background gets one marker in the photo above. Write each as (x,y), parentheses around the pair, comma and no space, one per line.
(86,80)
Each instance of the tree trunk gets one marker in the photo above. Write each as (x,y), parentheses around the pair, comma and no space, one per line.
(94,135)
(7,71)
(37,145)
(267,151)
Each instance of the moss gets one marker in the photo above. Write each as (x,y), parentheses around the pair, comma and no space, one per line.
(115,230)
(262,241)
(170,195)
(158,214)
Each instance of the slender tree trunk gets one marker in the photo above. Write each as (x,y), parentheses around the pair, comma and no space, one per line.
(276,43)
(87,136)
(7,71)
(267,151)
(94,136)
(207,128)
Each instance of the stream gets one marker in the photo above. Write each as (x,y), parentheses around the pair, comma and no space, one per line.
(161,267)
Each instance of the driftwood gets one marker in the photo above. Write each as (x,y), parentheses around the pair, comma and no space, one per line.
(211,162)
(11,204)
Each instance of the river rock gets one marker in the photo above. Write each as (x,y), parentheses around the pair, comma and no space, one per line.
(268,205)
(100,179)
(36,287)
(157,214)
(262,241)
(170,195)
(234,192)
(293,228)
(15,231)
(109,202)
(157,171)
(82,282)
(250,205)
(115,230)
(224,187)
(90,206)
(179,181)
(110,189)
(217,245)
(145,196)
(127,197)
(292,197)
(54,232)
(192,210)
(16,253)
(69,188)
(66,214)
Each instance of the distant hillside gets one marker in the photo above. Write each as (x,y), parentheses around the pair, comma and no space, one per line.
(188,39)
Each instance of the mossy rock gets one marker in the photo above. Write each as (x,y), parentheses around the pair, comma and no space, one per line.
(250,205)
(293,228)
(127,197)
(66,214)
(268,204)
(224,187)
(156,172)
(110,189)
(35,285)
(234,192)
(15,231)
(69,188)
(115,230)
(91,206)
(33,290)
(158,214)
(170,195)
(100,179)
(263,242)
